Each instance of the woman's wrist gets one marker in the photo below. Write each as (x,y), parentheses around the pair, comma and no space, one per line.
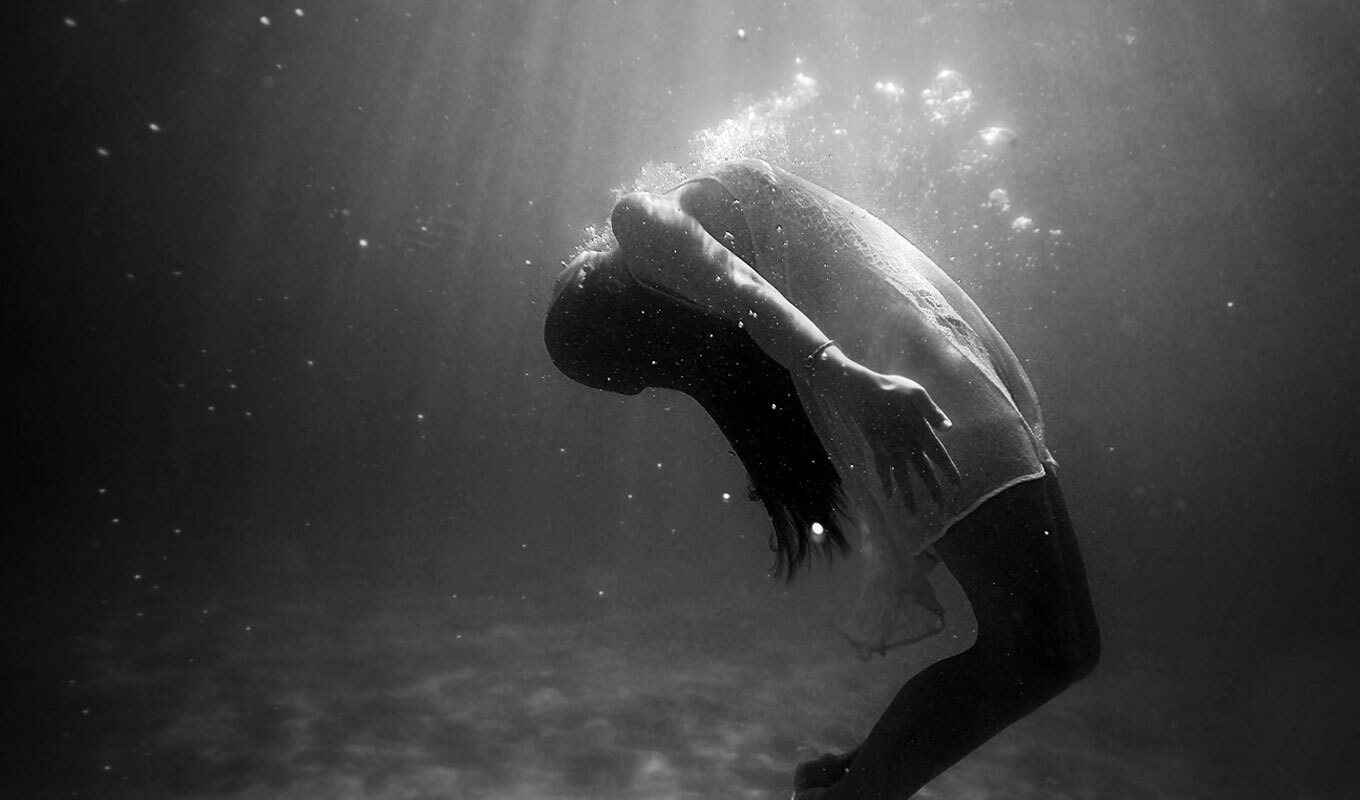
(819,353)
(829,365)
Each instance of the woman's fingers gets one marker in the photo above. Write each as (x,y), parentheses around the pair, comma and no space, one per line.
(893,464)
(928,477)
(928,442)
(904,487)
(883,465)
(892,477)
(903,440)
(934,450)
(930,412)
(923,455)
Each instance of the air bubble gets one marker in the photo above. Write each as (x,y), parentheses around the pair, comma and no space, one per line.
(998,138)
(948,99)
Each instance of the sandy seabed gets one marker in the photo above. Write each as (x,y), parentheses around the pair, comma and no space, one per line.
(396,696)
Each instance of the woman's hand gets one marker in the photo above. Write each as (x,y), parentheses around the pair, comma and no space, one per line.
(898,420)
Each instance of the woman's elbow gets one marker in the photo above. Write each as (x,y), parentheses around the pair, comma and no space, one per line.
(642,220)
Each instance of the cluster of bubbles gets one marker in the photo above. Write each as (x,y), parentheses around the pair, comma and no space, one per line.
(888,89)
(904,161)
(948,99)
(761,130)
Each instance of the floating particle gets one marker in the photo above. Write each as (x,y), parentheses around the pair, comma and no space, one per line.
(102,152)
(1022,224)
(154,127)
(726,497)
(297,11)
(363,243)
(69,22)
(264,21)
(741,34)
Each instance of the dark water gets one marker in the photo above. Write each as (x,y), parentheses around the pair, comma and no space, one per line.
(297,507)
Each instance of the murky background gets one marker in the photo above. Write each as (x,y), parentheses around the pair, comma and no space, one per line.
(296,505)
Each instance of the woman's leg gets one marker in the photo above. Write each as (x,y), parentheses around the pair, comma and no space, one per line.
(1017,560)
(1074,569)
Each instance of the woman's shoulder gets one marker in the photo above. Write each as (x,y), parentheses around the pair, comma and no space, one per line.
(747,179)
(739,168)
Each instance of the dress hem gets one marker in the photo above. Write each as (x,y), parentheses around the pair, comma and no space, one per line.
(976,504)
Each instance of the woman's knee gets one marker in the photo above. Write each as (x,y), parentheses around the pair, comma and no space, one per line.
(1033,627)
(1034,651)
(1029,595)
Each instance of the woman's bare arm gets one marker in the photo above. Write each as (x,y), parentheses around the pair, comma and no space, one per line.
(668,248)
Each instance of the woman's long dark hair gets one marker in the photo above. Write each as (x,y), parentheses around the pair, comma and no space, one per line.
(610,332)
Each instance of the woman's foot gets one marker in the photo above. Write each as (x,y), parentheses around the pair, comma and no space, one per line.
(821,773)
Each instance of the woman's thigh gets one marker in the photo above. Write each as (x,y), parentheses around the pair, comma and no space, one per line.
(1016,558)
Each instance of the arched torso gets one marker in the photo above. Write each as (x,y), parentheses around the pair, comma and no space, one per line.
(892,309)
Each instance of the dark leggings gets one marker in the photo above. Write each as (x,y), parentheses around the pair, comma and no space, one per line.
(1017,559)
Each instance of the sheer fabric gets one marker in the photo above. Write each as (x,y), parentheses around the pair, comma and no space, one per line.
(892,309)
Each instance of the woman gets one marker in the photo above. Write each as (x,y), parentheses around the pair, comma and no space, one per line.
(829,349)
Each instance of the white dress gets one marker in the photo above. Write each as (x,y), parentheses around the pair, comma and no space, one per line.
(892,309)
